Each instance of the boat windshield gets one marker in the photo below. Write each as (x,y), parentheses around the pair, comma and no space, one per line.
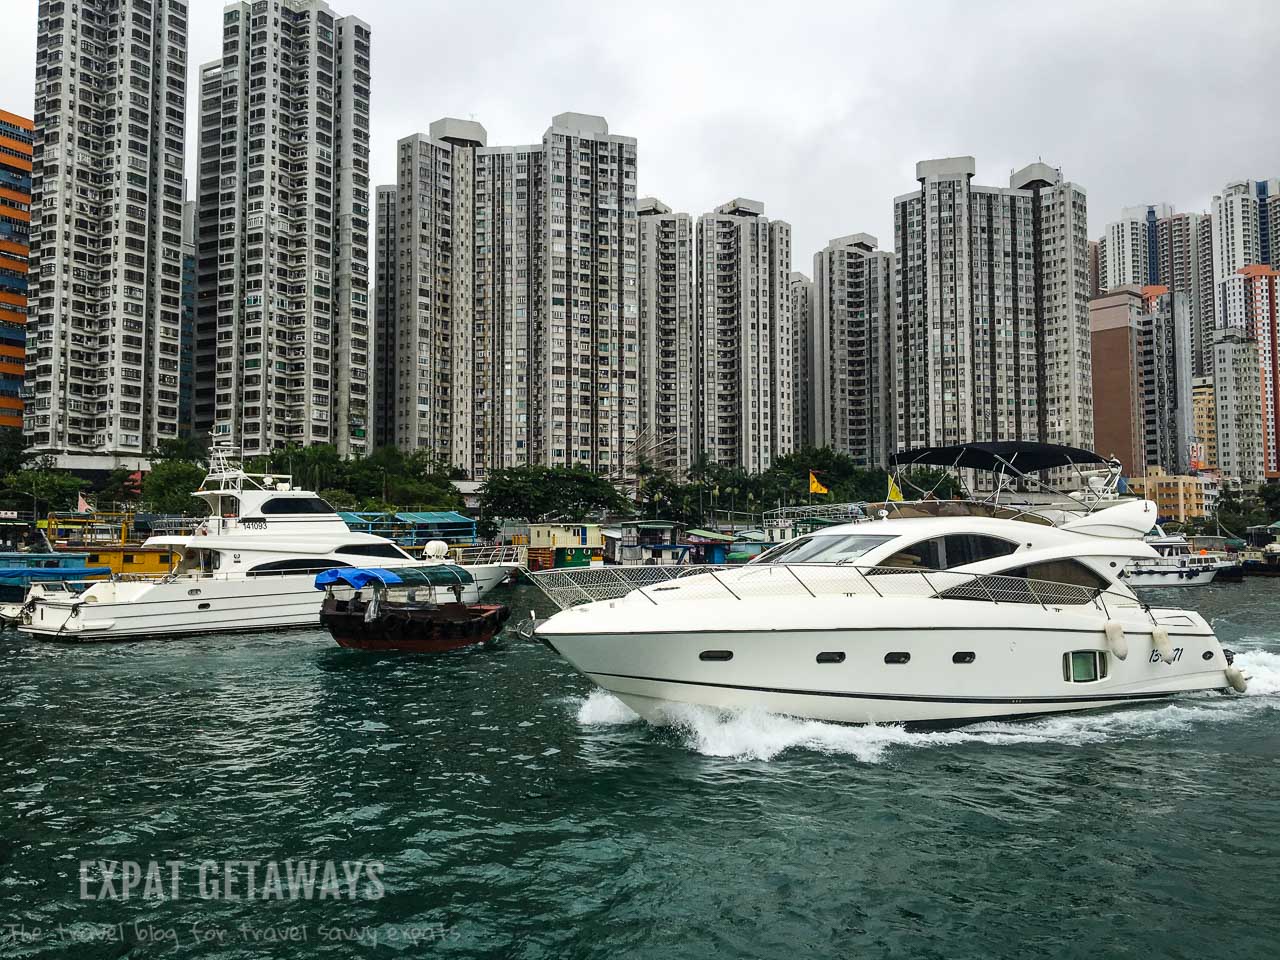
(823,548)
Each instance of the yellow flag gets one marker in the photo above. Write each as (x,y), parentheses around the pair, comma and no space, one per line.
(894,492)
(815,486)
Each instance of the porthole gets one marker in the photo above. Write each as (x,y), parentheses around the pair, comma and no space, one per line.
(1207,655)
(897,656)
(831,656)
(963,656)
(1084,666)
(193,592)
(203,606)
(718,655)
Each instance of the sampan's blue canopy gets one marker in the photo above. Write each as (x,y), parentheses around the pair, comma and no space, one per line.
(435,574)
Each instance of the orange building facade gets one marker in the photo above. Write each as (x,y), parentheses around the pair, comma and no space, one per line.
(15,223)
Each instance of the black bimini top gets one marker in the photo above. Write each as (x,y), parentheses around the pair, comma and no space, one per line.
(1023,456)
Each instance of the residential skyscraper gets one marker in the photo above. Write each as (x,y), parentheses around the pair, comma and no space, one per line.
(1237,406)
(1131,245)
(1241,231)
(104,322)
(852,380)
(991,325)
(1166,371)
(667,319)
(432,374)
(1116,322)
(803,355)
(1142,378)
(516,318)
(1184,253)
(1251,303)
(16,135)
(586,388)
(1060,291)
(743,342)
(282,353)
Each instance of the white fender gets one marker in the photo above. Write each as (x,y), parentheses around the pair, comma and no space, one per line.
(1116,639)
(1160,640)
(1236,678)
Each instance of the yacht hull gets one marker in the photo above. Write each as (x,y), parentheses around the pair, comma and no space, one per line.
(1170,578)
(171,607)
(942,672)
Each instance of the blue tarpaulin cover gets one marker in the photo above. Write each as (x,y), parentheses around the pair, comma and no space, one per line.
(15,575)
(436,574)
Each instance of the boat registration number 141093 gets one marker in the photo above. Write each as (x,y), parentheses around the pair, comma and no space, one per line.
(254,524)
(1177,655)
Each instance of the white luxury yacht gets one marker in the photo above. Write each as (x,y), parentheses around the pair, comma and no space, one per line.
(973,612)
(251,564)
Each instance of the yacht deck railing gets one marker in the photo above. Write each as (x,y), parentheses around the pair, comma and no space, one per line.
(483,555)
(669,584)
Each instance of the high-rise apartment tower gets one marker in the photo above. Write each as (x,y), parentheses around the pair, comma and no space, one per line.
(104,329)
(282,338)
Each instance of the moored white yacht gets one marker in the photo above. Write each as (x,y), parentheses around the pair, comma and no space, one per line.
(251,564)
(950,617)
(1177,565)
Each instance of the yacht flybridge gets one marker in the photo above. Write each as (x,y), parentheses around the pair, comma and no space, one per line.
(964,611)
(1012,475)
(250,564)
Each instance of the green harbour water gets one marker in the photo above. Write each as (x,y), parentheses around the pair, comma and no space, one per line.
(508,810)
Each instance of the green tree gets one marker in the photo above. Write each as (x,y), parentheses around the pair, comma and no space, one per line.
(545,493)
(118,486)
(13,451)
(1237,511)
(178,448)
(1269,494)
(43,488)
(168,487)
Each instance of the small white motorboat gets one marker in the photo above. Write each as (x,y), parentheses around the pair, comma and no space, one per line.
(940,618)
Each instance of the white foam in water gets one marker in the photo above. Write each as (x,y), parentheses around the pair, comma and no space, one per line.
(758,735)
(1262,669)
(602,708)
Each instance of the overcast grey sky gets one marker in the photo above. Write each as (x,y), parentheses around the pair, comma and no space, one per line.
(821,110)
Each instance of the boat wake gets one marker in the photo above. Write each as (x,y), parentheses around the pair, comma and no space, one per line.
(759,735)
(602,708)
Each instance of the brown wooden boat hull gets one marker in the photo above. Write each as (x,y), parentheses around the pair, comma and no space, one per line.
(413,629)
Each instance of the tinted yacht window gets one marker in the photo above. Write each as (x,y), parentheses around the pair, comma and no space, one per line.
(299,565)
(823,548)
(963,548)
(1053,582)
(296,505)
(375,550)
(1061,571)
(926,554)
(953,550)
